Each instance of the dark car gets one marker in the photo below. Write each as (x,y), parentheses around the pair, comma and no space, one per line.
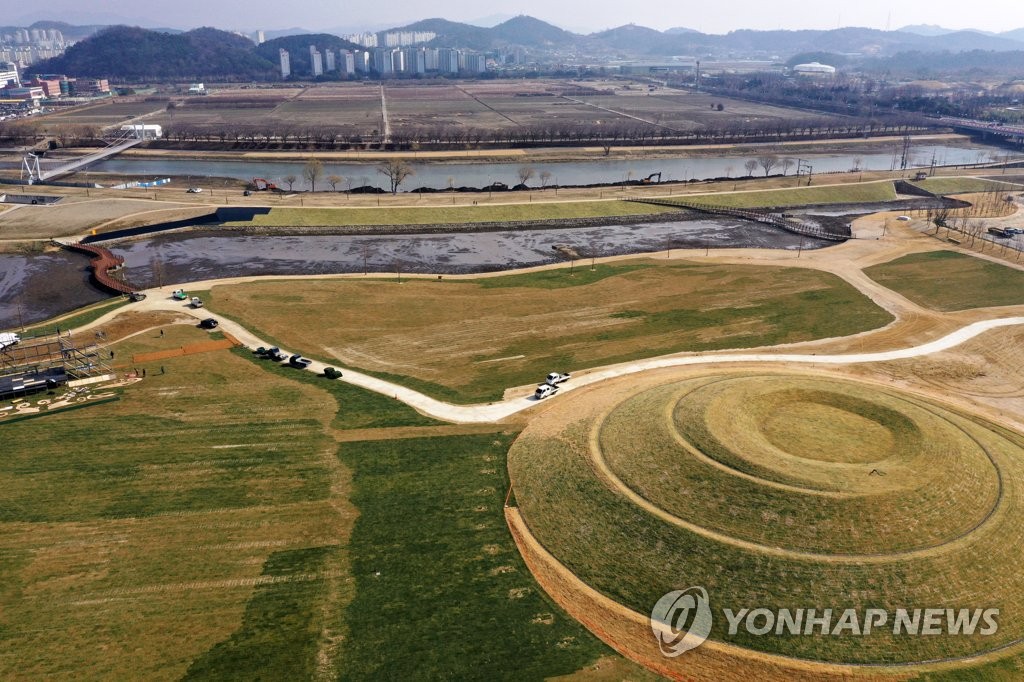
(299,362)
(209,323)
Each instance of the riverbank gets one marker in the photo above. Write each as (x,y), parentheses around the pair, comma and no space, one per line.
(547,154)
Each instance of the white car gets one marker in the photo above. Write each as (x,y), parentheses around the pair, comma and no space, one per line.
(903,218)
(544,390)
(556,378)
(194,190)
(7,339)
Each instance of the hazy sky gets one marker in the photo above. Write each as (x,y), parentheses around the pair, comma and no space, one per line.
(725,15)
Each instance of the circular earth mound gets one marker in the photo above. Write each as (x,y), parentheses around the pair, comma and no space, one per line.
(784,491)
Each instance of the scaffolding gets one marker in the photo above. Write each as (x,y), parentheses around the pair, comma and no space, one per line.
(51,359)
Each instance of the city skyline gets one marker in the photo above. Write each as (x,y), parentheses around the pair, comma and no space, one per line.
(985,15)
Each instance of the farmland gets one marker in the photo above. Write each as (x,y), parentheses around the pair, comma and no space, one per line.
(472,107)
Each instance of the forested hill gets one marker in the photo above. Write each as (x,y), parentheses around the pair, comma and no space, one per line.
(125,53)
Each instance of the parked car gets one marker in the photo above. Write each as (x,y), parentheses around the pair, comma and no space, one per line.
(136,296)
(332,373)
(556,378)
(299,362)
(903,218)
(196,302)
(545,390)
(194,190)
(209,323)
(276,355)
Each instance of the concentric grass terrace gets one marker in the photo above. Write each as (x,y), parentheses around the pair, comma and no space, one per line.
(785,512)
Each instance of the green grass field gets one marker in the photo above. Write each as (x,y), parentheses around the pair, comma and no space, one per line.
(947,280)
(868,192)
(201,528)
(430,215)
(743,532)
(527,325)
(441,591)
(963,185)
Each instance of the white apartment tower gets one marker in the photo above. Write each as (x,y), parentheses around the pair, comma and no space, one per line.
(286,63)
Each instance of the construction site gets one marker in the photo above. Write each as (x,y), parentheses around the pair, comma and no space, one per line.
(50,360)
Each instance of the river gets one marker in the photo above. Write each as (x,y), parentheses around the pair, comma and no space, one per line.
(438,175)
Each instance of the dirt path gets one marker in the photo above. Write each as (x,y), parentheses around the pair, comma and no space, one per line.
(501,410)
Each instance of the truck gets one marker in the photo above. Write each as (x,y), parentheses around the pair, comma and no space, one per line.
(555,378)
(299,362)
(999,232)
(179,295)
(196,302)
(544,390)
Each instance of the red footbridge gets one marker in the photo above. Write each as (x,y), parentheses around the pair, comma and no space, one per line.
(103,262)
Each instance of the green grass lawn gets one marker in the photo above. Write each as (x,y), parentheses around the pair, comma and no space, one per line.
(868,192)
(963,185)
(524,326)
(634,556)
(948,280)
(441,591)
(430,215)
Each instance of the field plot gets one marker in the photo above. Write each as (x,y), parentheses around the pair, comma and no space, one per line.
(947,280)
(106,114)
(868,192)
(524,326)
(784,490)
(439,106)
(689,110)
(964,185)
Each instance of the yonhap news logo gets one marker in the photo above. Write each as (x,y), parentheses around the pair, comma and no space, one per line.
(681,621)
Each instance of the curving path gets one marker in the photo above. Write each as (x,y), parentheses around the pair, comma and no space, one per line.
(492,412)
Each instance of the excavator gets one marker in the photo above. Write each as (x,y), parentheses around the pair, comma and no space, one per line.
(649,180)
(262,184)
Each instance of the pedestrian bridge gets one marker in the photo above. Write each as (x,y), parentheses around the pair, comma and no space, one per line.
(37,169)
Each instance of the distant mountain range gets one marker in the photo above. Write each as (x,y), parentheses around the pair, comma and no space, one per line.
(135,53)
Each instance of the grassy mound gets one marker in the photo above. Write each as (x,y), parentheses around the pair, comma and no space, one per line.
(783,491)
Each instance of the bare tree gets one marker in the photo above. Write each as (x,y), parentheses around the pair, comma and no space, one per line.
(290,179)
(751,166)
(857,161)
(545,178)
(525,173)
(767,162)
(787,163)
(312,171)
(728,171)
(396,171)
(334,181)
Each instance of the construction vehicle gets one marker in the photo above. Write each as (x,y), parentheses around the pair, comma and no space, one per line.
(649,180)
(262,184)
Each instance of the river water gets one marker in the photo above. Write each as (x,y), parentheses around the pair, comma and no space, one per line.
(466,173)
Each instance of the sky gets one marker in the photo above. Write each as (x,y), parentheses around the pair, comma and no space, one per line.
(578,15)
